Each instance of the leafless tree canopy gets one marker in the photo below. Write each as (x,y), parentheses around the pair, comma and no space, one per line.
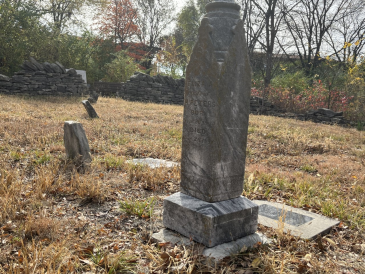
(154,17)
(308,30)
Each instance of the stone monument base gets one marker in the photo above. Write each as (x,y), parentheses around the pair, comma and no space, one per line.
(210,223)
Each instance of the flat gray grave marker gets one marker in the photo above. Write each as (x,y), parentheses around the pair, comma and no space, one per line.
(301,223)
(153,163)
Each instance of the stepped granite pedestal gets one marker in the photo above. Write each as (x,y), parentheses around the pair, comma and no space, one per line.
(210,209)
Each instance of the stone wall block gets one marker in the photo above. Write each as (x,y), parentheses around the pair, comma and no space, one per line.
(47,67)
(18,85)
(61,67)
(56,68)
(39,66)
(5,84)
(71,72)
(40,73)
(39,78)
(28,66)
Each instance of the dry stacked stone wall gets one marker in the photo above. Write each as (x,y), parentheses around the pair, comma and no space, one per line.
(43,79)
(264,107)
(52,79)
(322,115)
(326,116)
(106,89)
(156,89)
(163,89)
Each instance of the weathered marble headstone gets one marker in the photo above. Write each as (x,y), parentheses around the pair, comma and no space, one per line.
(76,143)
(210,208)
(90,110)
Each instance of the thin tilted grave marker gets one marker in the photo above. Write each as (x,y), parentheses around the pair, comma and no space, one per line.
(90,110)
(210,208)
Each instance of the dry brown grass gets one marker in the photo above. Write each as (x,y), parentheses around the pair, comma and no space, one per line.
(58,217)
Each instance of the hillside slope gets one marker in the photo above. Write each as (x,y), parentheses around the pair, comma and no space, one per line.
(56,216)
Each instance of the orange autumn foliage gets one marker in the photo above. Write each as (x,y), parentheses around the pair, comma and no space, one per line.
(119,21)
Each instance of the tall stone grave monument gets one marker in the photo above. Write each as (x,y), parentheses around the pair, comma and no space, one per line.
(210,208)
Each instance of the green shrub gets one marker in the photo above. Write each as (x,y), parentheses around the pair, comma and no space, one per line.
(142,209)
(295,82)
(121,68)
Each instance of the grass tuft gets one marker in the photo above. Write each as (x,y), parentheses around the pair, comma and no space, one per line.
(142,209)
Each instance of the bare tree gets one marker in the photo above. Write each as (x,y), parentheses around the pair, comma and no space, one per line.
(254,24)
(347,38)
(263,21)
(309,24)
(64,11)
(154,18)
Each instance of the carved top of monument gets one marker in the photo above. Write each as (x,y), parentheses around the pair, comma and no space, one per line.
(218,7)
(220,22)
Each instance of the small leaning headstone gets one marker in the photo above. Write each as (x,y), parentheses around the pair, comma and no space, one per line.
(90,110)
(93,97)
(76,143)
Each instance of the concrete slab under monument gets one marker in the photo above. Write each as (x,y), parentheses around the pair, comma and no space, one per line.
(301,223)
(153,163)
(210,223)
(217,252)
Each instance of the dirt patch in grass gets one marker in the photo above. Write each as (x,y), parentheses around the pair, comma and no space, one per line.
(56,217)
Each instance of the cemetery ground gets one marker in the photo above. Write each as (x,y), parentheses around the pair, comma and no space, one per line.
(59,216)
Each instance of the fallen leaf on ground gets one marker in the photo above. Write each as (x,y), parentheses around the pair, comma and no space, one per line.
(256,262)
(331,242)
